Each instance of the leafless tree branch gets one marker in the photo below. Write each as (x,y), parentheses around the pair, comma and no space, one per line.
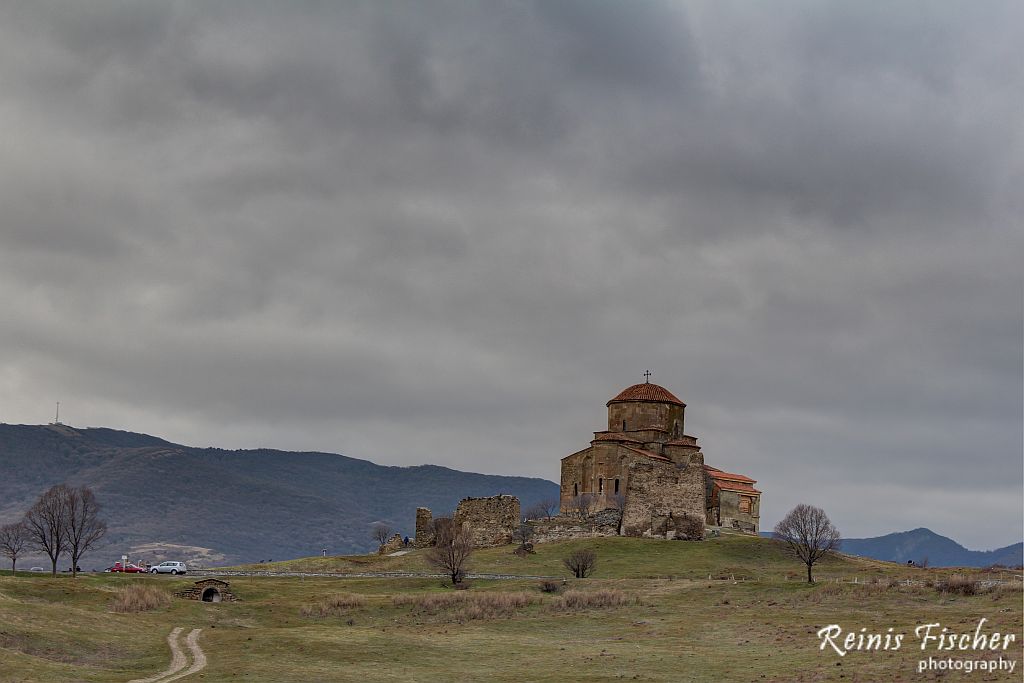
(13,540)
(809,533)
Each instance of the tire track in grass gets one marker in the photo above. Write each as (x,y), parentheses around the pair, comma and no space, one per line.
(179,660)
(198,657)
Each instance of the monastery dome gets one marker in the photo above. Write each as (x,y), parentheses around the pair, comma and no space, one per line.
(646,392)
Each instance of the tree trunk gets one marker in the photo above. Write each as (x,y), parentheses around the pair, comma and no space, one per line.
(53,562)
(809,578)
(14,561)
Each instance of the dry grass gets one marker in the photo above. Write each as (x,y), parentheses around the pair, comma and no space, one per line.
(333,606)
(959,584)
(572,601)
(467,606)
(139,598)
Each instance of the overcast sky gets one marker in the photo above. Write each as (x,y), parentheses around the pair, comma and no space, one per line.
(449,232)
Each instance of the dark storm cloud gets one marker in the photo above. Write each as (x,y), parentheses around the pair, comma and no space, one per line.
(449,233)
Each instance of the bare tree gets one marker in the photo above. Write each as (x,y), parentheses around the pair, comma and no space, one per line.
(535,511)
(579,506)
(809,533)
(452,547)
(13,540)
(82,525)
(581,563)
(523,534)
(549,507)
(381,533)
(46,522)
(617,501)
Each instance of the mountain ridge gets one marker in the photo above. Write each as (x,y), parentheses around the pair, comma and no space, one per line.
(233,505)
(923,545)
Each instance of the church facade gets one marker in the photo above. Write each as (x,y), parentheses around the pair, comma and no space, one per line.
(645,465)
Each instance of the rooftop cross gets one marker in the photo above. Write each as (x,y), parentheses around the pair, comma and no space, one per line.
(647,376)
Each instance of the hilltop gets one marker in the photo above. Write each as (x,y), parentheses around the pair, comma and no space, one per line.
(939,551)
(218,506)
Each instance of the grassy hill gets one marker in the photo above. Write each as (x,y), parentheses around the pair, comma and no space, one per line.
(731,556)
(638,618)
(167,501)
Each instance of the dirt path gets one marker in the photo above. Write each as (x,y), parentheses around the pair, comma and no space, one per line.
(179,659)
(198,657)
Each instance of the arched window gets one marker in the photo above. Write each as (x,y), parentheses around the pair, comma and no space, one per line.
(600,485)
(623,425)
(616,486)
(576,489)
(676,431)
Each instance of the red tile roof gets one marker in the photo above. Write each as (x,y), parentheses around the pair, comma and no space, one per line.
(718,474)
(742,487)
(683,442)
(648,454)
(646,392)
(614,436)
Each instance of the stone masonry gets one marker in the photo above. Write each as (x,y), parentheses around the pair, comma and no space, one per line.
(489,521)
(424,528)
(208,590)
(664,499)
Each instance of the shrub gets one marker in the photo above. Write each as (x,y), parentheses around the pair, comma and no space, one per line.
(549,586)
(333,606)
(577,600)
(958,583)
(139,598)
(581,563)
(466,606)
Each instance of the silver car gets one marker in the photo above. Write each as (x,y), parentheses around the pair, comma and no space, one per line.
(169,568)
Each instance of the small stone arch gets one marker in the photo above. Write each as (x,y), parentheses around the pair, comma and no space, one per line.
(208,590)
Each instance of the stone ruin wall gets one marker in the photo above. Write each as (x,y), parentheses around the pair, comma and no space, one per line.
(663,499)
(561,528)
(424,528)
(489,521)
(393,544)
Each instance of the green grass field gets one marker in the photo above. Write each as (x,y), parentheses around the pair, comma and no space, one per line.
(755,620)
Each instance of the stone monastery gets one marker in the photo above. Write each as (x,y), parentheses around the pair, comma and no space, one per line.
(647,466)
(643,476)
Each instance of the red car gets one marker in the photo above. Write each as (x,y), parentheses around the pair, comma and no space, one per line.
(126,568)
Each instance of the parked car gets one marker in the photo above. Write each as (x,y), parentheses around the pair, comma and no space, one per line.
(126,568)
(37,569)
(169,568)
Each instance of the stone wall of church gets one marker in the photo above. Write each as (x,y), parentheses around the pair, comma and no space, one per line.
(730,516)
(594,472)
(664,499)
(644,415)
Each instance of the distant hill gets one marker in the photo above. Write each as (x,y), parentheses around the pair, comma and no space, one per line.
(924,544)
(163,499)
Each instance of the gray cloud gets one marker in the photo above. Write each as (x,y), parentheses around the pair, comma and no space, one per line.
(451,234)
